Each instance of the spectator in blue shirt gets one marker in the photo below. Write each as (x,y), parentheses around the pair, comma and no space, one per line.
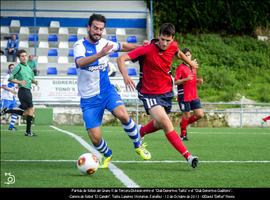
(12,48)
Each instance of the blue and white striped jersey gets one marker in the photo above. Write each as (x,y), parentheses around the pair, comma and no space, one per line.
(93,79)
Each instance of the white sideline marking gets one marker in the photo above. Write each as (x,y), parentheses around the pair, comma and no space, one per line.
(118,173)
(152,161)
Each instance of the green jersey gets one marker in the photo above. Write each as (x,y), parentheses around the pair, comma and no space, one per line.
(23,72)
(32,64)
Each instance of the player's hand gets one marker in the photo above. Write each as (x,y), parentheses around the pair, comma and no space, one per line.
(129,83)
(200,81)
(190,77)
(146,42)
(35,82)
(23,83)
(13,92)
(194,64)
(106,49)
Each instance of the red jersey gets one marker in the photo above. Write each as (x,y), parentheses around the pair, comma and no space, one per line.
(155,67)
(188,90)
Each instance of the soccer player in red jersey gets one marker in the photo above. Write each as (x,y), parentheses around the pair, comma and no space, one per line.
(186,81)
(156,84)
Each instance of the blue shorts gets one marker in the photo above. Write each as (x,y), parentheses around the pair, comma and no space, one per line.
(10,104)
(150,101)
(186,106)
(93,108)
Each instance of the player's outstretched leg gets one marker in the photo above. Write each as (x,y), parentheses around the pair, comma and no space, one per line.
(180,147)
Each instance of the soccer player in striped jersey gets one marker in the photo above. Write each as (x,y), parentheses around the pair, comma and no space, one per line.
(8,97)
(186,81)
(156,84)
(96,91)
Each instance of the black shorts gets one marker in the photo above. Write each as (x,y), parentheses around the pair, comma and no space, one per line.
(150,101)
(25,97)
(186,106)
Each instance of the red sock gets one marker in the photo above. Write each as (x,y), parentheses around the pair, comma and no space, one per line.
(148,128)
(175,140)
(266,118)
(183,126)
(192,119)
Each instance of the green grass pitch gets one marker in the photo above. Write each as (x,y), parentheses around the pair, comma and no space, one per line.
(229,158)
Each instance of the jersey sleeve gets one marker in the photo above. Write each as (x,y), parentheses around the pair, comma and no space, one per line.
(5,80)
(79,50)
(139,51)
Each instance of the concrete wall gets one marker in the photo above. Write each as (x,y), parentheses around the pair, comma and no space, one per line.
(72,115)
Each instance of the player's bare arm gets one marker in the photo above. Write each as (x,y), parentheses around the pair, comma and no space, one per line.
(22,82)
(181,81)
(122,68)
(128,46)
(9,90)
(192,63)
(81,62)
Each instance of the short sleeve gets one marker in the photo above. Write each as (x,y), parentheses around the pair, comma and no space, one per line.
(139,51)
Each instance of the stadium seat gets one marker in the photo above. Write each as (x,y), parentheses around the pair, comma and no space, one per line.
(15,26)
(3,59)
(62,60)
(51,71)
(63,45)
(24,30)
(132,71)
(113,55)
(120,31)
(52,38)
(70,53)
(54,24)
(112,38)
(15,23)
(82,31)
(104,32)
(23,44)
(52,52)
(33,37)
(72,38)
(63,31)
(43,44)
(72,71)
(42,59)
(3,43)
(131,39)
(4,30)
(43,30)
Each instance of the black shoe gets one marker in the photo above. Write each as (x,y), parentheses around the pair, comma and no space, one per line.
(193,161)
(184,138)
(3,111)
(30,134)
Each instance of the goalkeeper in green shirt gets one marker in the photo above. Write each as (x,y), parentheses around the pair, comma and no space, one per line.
(23,75)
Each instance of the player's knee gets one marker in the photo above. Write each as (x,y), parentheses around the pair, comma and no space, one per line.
(200,115)
(123,116)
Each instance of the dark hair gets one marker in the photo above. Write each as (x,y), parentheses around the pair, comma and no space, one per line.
(185,50)
(10,66)
(167,29)
(20,52)
(96,17)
